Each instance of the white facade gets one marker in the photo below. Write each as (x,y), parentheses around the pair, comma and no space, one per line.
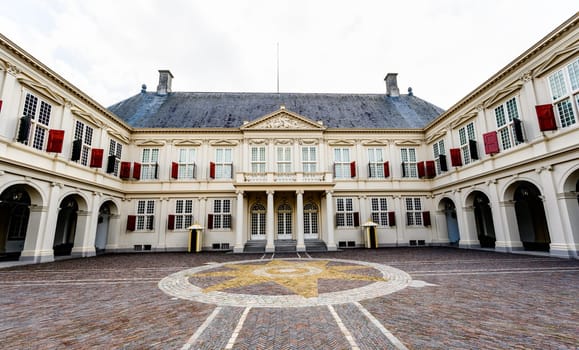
(284,177)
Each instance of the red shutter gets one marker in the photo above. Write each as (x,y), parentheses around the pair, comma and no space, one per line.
(125,170)
(353,169)
(455,158)
(55,140)
(175,170)
(426,218)
(386,169)
(491,141)
(210,221)
(171,222)
(546,117)
(96,158)
(212,170)
(131,222)
(391,218)
(421,170)
(430,169)
(0,105)
(356,219)
(136,171)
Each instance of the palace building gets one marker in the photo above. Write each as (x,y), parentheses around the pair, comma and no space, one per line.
(267,172)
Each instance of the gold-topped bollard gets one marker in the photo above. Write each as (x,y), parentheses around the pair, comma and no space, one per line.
(195,238)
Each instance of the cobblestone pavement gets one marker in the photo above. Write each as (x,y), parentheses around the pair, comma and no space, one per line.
(451,299)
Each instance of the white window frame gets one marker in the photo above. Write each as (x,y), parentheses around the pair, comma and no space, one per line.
(465,134)
(505,113)
(379,210)
(222,214)
(408,157)
(413,211)
(116,149)
(83,132)
(258,159)
(309,159)
(186,164)
(183,213)
(342,163)
(257,220)
(149,163)
(375,163)
(223,163)
(145,215)
(39,111)
(284,159)
(344,212)
(437,150)
(564,87)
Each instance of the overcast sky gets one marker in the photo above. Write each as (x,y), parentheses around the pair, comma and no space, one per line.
(443,49)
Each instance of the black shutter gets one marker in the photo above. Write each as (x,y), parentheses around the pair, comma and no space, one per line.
(156,170)
(24,129)
(443,164)
(403,170)
(472,149)
(518,126)
(111,164)
(76,149)
(356,219)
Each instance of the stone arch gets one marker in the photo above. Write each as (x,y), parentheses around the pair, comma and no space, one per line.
(569,205)
(106,228)
(483,217)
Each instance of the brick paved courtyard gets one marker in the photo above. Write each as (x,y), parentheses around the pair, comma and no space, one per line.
(404,298)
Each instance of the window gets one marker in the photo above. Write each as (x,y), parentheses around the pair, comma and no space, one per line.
(379,211)
(83,136)
(145,214)
(284,159)
(564,85)
(504,115)
(258,159)
(186,163)
(438,150)
(310,220)
(413,212)
(466,135)
(344,212)
(258,221)
(34,122)
(149,163)
(223,163)
(221,213)
(342,162)
(309,159)
(115,154)
(284,219)
(408,156)
(183,213)
(375,163)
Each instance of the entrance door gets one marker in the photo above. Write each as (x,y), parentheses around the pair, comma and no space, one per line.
(257,221)
(451,221)
(310,221)
(284,222)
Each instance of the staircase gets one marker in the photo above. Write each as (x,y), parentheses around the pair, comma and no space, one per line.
(254,246)
(315,246)
(285,246)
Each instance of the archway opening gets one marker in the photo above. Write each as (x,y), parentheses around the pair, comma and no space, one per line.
(14,215)
(102,230)
(65,226)
(531,219)
(451,221)
(483,217)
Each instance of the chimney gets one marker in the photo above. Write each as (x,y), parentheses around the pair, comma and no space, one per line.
(164,86)
(392,85)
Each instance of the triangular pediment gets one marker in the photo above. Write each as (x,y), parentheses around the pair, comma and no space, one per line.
(224,143)
(43,90)
(283,119)
(155,143)
(408,143)
(375,143)
(187,143)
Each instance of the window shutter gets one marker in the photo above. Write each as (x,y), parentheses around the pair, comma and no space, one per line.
(231,171)
(518,126)
(443,163)
(546,117)
(210,221)
(111,164)
(76,149)
(96,158)
(403,170)
(175,170)
(24,129)
(455,158)
(430,169)
(421,170)
(156,170)
(356,219)
(426,218)
(212,170)
(391,218)
(491,142)
(334,169)
(386,169)
(55,140)
(0,105)
(125,170)
(131,222)
(136,171)
(353,169)
(171,222)
(473,149)
(369,170)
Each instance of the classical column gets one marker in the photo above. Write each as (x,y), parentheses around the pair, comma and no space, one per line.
(330,243)
(561,241)
(269,246)
(82,246)
(238,248)
(509,226)
(301,246)
(468,234)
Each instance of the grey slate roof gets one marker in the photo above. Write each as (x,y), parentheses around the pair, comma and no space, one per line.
(230,110)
